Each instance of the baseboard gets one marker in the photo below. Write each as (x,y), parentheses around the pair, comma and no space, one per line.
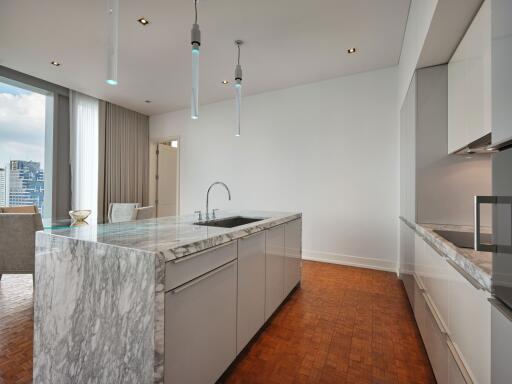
(353,261)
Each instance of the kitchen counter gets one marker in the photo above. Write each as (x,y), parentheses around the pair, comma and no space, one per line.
(478,265)
(171,237)
(99,294)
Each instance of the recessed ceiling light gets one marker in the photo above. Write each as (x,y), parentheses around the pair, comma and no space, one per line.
(225,82)
(55,63)
(143,21)
(147,101)
(351,50)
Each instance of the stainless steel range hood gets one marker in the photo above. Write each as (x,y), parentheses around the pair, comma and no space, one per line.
(482,145)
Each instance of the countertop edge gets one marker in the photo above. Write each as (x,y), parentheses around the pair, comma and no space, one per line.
(446,249)
(245,230)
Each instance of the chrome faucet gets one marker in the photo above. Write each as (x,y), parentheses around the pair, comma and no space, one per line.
(207,217)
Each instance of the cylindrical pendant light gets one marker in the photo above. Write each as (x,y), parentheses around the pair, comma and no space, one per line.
(238,88)
(112,43)
(196,43)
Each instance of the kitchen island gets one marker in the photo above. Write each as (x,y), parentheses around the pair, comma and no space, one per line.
(160,300)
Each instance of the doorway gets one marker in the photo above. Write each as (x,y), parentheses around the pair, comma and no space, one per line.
(165,176)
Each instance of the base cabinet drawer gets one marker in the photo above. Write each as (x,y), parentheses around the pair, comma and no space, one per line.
(200,327)
(435,344)
(179,271)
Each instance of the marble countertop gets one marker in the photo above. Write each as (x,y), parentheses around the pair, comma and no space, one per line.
(478,265)
(174,236)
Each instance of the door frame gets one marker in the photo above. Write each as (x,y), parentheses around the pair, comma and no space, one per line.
(156,142)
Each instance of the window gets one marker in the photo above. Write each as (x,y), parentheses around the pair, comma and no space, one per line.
(23,132)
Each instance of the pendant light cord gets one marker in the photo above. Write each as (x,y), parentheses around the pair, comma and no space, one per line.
(195,7)
(238,45)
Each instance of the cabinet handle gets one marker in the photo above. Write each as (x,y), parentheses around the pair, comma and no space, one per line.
(188,257)
(419,283)
(433,310)
(460,364)
(466,275)
(201,278)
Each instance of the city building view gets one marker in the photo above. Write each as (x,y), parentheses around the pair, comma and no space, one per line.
(26,184)
(3,189)
(22,135)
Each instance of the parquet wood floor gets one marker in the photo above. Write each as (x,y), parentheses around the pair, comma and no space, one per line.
(344,325)
(16,329)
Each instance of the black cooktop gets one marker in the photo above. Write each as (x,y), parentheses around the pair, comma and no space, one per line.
(463,239)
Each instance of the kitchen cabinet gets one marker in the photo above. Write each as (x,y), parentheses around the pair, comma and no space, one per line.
(407,259)
(501,342)
(408,154)
(426,193)
(469,83)
(275,255)
(251,287)
(470,325)
(200,327)
(292,261)
(450,301)
(501,31)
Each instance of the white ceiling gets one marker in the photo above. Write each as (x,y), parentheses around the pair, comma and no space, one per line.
(287,42)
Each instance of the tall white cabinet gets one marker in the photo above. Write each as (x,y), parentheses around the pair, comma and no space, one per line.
(469,84)
(501,27)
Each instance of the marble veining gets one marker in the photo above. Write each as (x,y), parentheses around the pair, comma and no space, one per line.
(175,236)
(93,308)
(477,264)
(99,294)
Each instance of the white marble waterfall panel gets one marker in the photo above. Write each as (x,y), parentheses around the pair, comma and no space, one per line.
(94,312)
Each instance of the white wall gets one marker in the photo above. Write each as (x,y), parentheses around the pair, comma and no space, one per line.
(328,149)
(418,24)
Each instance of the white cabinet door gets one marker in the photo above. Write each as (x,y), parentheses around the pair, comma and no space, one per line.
(200,327)
(435,344)
(408,154)
(470,326)
(251,287)
(469,83)
(274,270)
(501,73)
(407,259)
(292,262)
(457,130)
(501,344)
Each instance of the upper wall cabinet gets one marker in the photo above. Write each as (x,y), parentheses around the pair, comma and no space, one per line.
(501,71)
(469,84)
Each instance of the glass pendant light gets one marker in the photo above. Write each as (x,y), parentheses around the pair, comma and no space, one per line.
(196,43)
(112,44)
(238,88)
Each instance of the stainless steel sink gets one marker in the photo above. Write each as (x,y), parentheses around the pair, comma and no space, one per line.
(463,239)
(229,222)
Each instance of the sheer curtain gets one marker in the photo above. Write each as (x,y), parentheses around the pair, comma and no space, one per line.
(84,150)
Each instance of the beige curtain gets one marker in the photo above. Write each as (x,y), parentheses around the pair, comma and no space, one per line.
(124,157)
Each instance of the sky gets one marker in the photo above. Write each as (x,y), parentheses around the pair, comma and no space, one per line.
(22,123)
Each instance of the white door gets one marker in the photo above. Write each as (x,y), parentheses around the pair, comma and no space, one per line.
(167,180)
